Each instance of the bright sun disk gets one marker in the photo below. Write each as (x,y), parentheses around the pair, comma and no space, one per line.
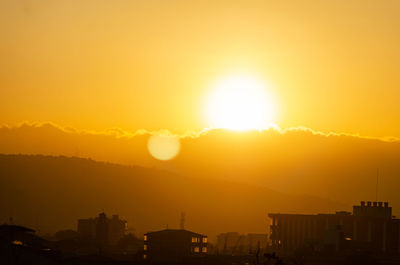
(240,103)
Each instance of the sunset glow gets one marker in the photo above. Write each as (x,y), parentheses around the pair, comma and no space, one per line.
(199,132)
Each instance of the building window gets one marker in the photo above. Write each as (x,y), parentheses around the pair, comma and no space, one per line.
(204,250)
(17,242)
(144,256)
(145,247)
(196,250)
(194,240)
(145,237)
(204,239)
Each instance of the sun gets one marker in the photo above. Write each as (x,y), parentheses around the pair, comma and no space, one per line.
(240,103)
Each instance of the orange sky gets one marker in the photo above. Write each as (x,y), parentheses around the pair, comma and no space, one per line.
(330,65)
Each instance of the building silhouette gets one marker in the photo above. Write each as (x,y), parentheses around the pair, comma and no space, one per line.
(104,230)
(21,245)
(174,244)
(233,243)
(370,226)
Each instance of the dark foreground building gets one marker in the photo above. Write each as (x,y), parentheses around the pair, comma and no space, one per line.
(174,244)
(370,227)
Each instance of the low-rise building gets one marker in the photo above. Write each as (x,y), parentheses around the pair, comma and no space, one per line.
(174,244)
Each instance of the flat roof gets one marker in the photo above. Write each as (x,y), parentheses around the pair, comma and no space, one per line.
(175,231)
(318,214)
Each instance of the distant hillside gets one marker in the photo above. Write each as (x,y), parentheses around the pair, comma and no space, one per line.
(51,193)
(294,161)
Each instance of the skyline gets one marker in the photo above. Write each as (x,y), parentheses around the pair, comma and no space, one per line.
(151,65)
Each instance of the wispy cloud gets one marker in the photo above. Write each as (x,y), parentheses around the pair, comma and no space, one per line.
(122,133)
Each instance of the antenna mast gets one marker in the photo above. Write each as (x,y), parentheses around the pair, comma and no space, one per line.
(377,182)
(182,225)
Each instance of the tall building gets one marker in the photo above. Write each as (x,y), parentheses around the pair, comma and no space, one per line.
(104,230)
(370,226)
(173,244)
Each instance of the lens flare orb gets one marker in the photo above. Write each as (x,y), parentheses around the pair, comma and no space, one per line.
(163,147)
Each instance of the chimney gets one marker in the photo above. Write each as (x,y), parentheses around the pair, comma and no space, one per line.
(362,203)
(380,204)
(375,204)
(369,203)
(386,204)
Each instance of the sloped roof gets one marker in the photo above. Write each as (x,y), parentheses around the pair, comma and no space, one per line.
(15,228)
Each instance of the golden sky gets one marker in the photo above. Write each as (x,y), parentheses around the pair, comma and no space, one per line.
(329,65)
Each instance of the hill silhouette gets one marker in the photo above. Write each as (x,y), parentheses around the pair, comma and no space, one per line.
(295,161)
(50,193)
